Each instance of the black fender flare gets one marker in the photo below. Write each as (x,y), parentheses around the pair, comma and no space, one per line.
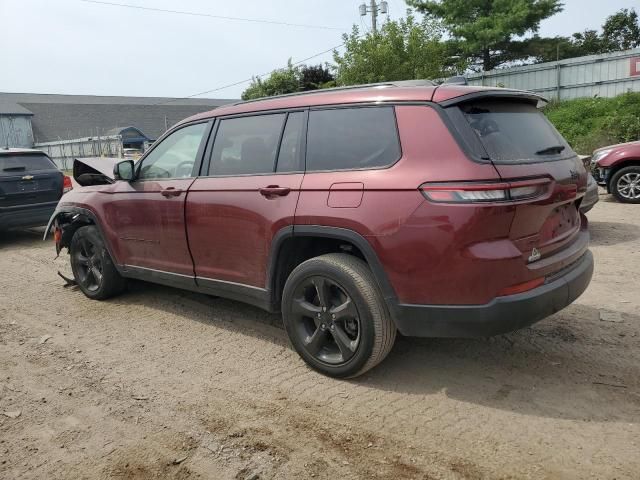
(338,233)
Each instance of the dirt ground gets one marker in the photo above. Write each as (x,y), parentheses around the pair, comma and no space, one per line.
(160,383)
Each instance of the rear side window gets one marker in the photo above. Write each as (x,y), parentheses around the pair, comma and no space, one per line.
(514,132)
(25,163)
(352,138)
(246,145)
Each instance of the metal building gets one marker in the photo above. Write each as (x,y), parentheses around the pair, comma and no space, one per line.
(606,75)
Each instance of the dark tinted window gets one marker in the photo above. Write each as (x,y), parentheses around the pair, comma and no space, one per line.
(515,132)
(289,156)
(350,138)
(25,163)
(246,145)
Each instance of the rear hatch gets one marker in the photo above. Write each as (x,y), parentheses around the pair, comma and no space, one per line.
(28,178)
(524,146)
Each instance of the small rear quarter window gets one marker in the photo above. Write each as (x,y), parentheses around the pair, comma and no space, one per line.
(352,138)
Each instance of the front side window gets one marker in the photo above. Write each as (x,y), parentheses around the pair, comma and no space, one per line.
(246,145)
(514,132)
(175,156)
(352,138)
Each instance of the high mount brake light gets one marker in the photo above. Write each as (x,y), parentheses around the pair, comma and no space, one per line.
(485,192)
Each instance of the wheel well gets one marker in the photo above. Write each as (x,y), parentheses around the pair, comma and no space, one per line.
(69,223)
(295,250)
(620,166)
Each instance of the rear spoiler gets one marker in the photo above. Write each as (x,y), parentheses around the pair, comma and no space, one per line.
(496,92)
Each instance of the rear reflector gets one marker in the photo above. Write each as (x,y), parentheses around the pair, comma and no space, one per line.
(486,192)
(66,184)
(521,287)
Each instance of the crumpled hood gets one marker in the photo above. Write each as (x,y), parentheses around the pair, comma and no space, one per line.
(94,170)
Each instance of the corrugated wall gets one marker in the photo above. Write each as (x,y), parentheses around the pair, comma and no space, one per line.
(15,130)
(604,75)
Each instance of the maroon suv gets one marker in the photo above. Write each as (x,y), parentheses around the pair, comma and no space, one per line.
(441,211)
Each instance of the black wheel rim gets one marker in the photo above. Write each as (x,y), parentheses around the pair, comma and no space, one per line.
(88,265)
(326,320)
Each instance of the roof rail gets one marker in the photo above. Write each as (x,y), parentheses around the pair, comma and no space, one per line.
(399,83)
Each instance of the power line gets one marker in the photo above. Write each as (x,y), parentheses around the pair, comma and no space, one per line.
(220,17)
(251,78)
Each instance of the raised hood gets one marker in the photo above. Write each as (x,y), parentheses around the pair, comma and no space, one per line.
(94,170)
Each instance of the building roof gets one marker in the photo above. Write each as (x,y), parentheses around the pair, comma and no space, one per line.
(9,107)
(66,117)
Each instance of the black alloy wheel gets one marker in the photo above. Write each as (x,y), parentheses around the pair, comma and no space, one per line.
(326,320)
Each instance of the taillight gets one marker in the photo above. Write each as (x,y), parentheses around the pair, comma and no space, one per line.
(486,192)
(66,184)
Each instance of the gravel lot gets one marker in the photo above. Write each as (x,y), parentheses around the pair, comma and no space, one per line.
(160,383)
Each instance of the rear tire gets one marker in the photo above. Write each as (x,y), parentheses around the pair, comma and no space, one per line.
(93,269)
(625,184)
(336,317)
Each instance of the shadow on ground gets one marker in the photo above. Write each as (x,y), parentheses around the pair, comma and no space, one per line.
(612,233)
(567,366)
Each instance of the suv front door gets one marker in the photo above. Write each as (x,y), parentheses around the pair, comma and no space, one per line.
(250,193)
(147,214)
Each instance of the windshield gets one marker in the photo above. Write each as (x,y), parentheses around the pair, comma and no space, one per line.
(515,132)
(25,163)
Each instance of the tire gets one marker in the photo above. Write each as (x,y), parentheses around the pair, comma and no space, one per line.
(354,332)
(92,267)
(627,176)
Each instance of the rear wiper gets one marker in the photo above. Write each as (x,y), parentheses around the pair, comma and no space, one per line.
(14,169)
(551,149)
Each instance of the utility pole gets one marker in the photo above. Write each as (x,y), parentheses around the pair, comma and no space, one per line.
(375,9)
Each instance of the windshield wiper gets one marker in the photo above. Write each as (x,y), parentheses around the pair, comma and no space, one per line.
(551,149)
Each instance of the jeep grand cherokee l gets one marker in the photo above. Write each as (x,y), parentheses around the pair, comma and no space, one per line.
(442,211)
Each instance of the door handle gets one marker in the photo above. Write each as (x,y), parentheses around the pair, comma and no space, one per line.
(274,191)
(171,192)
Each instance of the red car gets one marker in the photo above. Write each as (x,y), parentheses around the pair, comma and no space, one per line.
(441,211)
(617,167)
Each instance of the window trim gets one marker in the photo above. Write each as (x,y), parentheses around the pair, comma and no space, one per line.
(354,106)
(199,154)
(205,171)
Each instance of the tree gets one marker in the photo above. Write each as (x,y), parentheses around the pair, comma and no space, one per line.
(621,31)
(487,30)
(406,49)
(289,80)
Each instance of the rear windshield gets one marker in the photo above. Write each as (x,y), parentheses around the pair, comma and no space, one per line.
(25,163)
(515,132)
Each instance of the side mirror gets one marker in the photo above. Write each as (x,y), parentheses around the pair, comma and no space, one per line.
(123,170)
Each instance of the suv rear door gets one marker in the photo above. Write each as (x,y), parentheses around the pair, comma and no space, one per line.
(248,192)
(27,179)
(522,145)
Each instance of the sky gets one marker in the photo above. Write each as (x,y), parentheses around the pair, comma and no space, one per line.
(81,47)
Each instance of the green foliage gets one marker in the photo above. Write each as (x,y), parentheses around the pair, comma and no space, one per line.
(590,123)
(486,30)
(406,49)
(289,80)
(620,31)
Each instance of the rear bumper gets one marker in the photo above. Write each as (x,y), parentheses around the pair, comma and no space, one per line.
(501,315)
(34,215)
